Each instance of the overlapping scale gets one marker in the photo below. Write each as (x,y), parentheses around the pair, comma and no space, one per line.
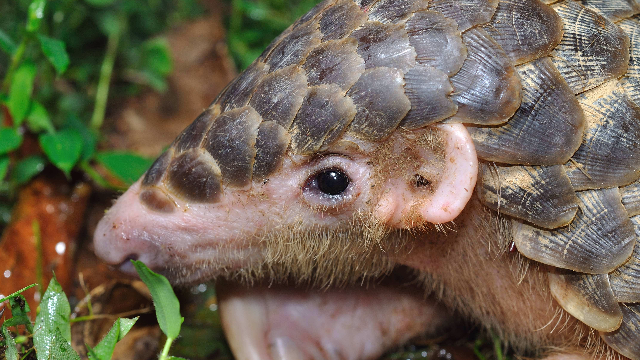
(191,137)
(324,115)
(625,339)
(610,151)
(279,95)
(631,198)
(593,49)
(294,47)
(231,142)
(526,29)
(427,89)
(385,45)
(334,62)
(381,103)
(240,90)
(157,169)
(437,41)
(539,195)
(195,176)
(600,238)
(547,128)
(392,11)
(466,13)
(625,280)
(341,19)
(631,80)
(614,10)
(588,298)
(487,87)
(271,144)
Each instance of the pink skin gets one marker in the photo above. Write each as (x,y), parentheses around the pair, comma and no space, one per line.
(200,241)
(356,323)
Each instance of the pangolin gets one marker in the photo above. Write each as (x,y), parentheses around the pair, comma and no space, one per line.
(488,148)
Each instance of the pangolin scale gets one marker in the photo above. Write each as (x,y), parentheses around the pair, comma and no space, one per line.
(549,91)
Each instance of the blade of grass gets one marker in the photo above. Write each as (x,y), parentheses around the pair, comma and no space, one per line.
(102,94)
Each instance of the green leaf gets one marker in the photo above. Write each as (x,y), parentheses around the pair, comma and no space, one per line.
(10,140)
(19,313)
(52,328)
(164,299)
(36,13)
(62,148)
(126,166)
(38,119)
(4,167)
(175,358)
(157,55)
(27,168)
(55,51)
(100,3)
(104,349)
(90,140)
(20,91)
(6,44)
(60,348)
(10,352)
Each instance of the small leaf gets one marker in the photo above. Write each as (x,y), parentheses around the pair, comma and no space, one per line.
(157,55)
(62,148)
(38,119)
(100,3)
(90,140)
(104,349)
(6,44)
(10,140)
(126,166)
(20,92)
(10,352)
(164,299)
(36,13)
(52,328)
(4,167)
(19,313)
(55,51)
(27,168)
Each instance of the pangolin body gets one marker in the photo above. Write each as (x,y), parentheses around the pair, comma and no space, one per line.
(549,91)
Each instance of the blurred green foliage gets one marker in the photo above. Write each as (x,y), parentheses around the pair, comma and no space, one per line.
(252,25)
(60,62)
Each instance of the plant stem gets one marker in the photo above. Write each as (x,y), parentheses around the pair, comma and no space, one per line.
(15,61)
(165,350)
(106,70)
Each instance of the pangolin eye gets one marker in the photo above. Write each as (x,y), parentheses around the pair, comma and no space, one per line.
(332,181)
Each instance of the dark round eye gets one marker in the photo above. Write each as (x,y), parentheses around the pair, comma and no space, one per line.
(332,181)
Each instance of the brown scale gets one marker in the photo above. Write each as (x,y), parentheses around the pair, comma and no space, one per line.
(334,62)
(385,45)
(231,142)
(593,49)
(509,69)
(610,150)
(487,87)
(437,41)
(381,102)
(541,195)
(279,95)
(466,14)
(547,128)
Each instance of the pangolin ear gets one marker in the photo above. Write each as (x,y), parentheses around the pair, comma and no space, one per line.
(437,191)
